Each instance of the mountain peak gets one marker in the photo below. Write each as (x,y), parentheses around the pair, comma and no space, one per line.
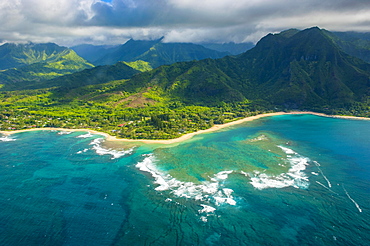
(312,31)
(301,70)
(289,33)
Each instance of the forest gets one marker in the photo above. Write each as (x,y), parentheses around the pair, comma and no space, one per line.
(291,71)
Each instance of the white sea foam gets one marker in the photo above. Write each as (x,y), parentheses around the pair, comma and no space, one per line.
(224,196)
(87,135)
(318,167)
(64,132)
(7,139)
(287,150)
(221,175)
(350,198)
(326,187)
(97,141)
(210,191)
(294,177)
(114,153)
(206,209)
(204,219)
(82,151)
(246,174)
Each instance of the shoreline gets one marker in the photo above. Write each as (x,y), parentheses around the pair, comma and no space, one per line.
(182,138)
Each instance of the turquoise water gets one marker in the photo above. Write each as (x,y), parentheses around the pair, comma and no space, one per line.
(282,180)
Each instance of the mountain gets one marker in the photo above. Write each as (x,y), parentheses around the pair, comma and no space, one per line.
(353,43)
(19,55)
(231,47)
(292,69)
(169,53)
(130,51)
(22,63)
(93,52)
(155,52)
(96,75)
(305,70)
(295,69)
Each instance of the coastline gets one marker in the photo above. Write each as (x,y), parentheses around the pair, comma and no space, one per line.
(188,136)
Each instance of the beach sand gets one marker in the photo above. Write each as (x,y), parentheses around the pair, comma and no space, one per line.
(183,137)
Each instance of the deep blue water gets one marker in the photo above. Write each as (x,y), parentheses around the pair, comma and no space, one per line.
(282,180)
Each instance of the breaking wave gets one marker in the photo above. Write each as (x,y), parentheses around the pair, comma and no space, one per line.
(103,151)
(7,139)
(82,151)
(207,191)
(87,135)
(64,132)
(205,212)
(295,176)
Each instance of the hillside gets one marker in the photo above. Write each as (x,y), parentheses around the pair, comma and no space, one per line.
(25,63)
(91,52)
(17,55)
(96,75)
(155,52)
(354,44)
(304,70)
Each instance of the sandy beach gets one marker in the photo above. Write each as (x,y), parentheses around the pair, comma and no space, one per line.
(183,137)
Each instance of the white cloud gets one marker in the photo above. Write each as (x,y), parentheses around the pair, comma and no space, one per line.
(70,21)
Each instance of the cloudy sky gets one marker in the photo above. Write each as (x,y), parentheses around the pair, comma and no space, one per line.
(70,22)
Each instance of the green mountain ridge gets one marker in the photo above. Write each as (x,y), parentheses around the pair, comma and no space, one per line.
(155,52)
(293,70)
(354,44)
(96,75)
(18,55)
(28,63)
(169,53)
(305,69)
(91,52)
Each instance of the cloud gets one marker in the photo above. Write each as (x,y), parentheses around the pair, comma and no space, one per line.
(69,22)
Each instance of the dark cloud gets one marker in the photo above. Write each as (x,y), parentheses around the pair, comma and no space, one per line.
(114,21)
(124,13)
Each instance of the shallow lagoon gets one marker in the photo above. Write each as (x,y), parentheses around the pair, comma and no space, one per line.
(282,180)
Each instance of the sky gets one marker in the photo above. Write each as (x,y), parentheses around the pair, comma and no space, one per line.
(72,22)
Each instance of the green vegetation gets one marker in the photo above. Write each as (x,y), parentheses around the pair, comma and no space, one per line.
(145,115)
(289,71)
(354,44)
(69,61)
(305,70)
(18,55)
(31,63)
(96,75)
(154,52)
(139,65)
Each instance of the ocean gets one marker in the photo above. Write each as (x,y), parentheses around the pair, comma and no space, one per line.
(281,180)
